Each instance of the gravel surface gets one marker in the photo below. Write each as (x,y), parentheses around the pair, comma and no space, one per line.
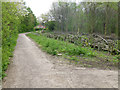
(32,68)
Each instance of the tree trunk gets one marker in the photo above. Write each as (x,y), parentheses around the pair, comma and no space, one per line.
(105,32)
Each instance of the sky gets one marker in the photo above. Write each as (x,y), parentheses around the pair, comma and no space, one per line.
(39,6)
(42,6)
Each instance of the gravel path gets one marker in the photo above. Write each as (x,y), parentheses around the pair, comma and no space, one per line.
(32,68)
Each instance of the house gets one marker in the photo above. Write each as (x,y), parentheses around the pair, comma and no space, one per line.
(39,27)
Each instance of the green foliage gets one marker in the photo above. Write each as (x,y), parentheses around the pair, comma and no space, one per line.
(28,22)
(85,17)
(84,56)
(0,63)
(50,25)
(12,23)
(117,57)
(55,47)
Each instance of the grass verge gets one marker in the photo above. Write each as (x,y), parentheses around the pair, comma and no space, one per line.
(77,54)
(56,47)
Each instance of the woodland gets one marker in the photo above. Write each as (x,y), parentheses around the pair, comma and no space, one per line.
(81,26)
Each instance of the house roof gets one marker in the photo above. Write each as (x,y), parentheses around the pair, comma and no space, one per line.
(40,26)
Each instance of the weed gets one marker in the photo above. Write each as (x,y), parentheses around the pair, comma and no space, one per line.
(72,52)
(54,47)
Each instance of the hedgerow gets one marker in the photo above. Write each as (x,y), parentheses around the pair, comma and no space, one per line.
(13,21)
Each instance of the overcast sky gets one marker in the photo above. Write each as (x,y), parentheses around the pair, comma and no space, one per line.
(42,6)
(39,6)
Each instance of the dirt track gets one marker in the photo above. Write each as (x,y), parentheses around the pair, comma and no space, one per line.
(32,68)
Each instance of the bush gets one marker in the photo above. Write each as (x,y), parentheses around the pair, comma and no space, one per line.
(50,25)
(13,22)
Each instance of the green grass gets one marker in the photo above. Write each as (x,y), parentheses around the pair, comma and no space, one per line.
(55,47)
(75,54)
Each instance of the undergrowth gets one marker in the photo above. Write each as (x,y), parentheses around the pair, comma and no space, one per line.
(55,47)
(72,52)
(7,53)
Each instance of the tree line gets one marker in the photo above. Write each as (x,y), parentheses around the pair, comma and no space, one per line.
(83,17)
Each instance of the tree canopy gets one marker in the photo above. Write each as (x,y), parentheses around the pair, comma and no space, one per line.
(85,17)
(16,18)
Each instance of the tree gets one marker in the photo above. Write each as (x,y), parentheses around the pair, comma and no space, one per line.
(50,25)
(85,17)
(29,21)
(14,20)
